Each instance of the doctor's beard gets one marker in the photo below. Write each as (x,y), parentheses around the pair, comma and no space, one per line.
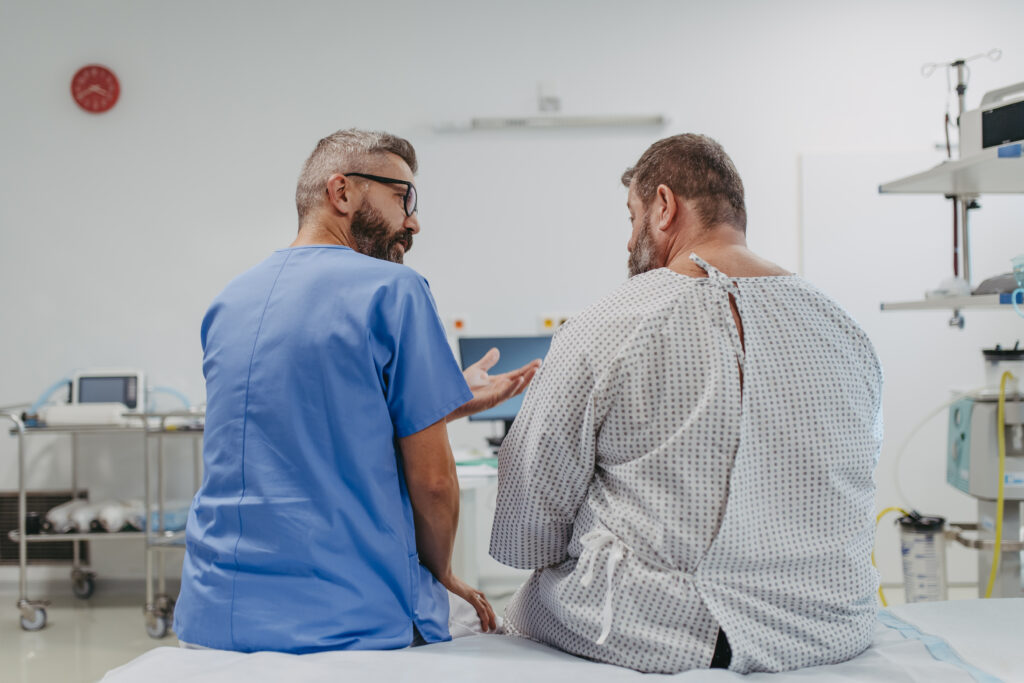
(375,238)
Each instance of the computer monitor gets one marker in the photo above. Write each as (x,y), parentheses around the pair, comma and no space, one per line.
(515,353)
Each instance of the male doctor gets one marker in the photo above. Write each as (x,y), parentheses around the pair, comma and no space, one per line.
(329,503)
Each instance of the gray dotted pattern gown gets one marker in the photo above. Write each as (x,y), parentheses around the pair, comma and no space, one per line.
(658,500)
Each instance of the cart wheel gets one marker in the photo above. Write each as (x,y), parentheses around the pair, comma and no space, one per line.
(83,587)
(165,605)
(156,626)
(37,621)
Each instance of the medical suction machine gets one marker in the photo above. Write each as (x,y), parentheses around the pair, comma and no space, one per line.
(985,459)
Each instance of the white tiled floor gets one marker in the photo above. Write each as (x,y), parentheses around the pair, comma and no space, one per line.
(84,639)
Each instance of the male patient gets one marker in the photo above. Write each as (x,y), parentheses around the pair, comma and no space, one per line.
(329,503)
(691,473)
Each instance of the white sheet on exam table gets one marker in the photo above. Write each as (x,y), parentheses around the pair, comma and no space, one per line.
(986,634)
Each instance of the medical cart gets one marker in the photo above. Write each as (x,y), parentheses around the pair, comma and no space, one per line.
(148,428)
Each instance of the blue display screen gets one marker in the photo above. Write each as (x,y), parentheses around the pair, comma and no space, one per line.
(515,353)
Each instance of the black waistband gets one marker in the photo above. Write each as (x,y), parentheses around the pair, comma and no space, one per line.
(723,653)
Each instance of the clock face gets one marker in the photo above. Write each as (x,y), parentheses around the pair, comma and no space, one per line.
(95,88)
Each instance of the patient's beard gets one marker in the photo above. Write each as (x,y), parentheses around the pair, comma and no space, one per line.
(375,238)
(644,256)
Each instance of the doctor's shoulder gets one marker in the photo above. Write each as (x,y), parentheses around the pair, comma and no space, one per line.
(395,282)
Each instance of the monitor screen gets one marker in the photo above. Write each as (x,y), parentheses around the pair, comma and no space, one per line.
(108,390)
(1003,124)
(515,353)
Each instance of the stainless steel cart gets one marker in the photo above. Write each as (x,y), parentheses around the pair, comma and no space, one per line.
(159,606)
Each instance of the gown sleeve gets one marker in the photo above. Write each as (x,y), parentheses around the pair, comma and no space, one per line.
(547,460)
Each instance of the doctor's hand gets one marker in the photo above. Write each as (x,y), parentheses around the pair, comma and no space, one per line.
(488,622)
(490,390)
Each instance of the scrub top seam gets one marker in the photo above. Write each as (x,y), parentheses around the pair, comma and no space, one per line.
(245,420)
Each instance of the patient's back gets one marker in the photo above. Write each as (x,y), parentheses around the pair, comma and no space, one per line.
(729,485)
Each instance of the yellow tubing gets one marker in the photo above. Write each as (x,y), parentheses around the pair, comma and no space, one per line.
(883,513)
(1001,439)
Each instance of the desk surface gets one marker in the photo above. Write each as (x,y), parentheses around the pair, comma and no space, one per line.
(475,467)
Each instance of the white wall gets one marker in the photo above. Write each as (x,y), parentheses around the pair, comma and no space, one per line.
(116,230)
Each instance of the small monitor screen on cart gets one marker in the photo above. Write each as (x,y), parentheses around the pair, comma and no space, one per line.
(108,390)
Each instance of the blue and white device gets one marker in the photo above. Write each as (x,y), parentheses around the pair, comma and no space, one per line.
(114,385)
(972,454)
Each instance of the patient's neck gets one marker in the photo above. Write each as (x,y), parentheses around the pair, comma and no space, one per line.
(725,248)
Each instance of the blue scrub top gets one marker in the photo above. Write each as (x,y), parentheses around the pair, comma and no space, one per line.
(301,536)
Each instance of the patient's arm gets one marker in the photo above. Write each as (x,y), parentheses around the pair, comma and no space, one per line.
(547,460)
(434,494)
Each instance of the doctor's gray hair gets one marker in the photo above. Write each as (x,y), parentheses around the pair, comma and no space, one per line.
(693,167)
(346,151)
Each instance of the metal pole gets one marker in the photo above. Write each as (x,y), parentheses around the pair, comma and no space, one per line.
(964,204)
(76,546)
(961,87)
(22,511)
(162,585)
(160,480)
(147,516)
(956,234)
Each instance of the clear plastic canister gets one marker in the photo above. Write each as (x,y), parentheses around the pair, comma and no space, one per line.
(923,545)
(1018,269)
(1000,360)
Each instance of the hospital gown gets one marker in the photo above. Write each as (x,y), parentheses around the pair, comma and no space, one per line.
(659,497)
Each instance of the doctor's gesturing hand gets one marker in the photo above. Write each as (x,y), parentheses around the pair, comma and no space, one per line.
(490,390)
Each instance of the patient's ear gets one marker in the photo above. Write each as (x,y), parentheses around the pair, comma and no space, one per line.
(664,208)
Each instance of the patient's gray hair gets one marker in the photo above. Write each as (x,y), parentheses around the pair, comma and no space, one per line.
(350,151)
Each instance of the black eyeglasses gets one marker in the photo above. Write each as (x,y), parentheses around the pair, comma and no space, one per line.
(411,200)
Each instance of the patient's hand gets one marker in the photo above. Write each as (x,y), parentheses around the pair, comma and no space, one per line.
(490,390)
(488,622)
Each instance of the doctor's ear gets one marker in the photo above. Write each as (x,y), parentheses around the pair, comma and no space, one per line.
(338,192)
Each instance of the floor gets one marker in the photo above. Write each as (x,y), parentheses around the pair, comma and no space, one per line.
(83,639)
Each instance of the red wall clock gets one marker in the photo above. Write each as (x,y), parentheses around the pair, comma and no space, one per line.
(95,88)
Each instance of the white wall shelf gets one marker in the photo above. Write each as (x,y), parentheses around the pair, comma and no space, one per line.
(956,303)
(553,121)
(996,170)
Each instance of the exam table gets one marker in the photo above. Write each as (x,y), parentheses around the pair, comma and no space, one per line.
(964,640)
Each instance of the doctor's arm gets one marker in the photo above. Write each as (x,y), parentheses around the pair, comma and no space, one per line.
(434,494)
